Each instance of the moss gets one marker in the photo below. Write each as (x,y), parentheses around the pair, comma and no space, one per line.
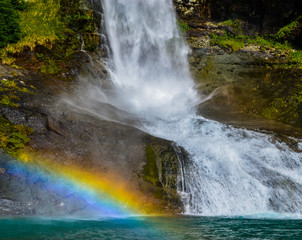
(161,172)
(13,137)
(50,67)
(234,25)
(296,58)
(151,171)
(285,103)
(9,100)
(55,30)
(273,43)
(286,31)
(232,43)
(10,93)
(278,95)
(162,165)
(183,26)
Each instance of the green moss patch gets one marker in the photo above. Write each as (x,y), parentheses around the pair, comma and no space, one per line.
(285,32)
(234,40)
(150,172)
(231,44)
(51,67)
(13,138)
(234,25)
(183,26)
(283,91)
(10,93)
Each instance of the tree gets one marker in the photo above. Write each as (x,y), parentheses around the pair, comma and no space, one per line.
(10,31)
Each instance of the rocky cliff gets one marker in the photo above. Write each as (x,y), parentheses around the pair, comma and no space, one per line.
(247,54)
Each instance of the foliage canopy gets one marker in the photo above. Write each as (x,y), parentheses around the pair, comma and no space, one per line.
(10,31)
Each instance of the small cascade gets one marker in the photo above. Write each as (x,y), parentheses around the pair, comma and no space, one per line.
(234,171)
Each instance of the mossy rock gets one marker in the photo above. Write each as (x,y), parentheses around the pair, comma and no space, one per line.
(10,93)
(246,84)
(161,170)
(51,67)
(13,137)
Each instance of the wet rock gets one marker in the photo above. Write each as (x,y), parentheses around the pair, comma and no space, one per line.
(245,85)
(162,171)
(260,16)
(2,171)
(24,194)
(69,137)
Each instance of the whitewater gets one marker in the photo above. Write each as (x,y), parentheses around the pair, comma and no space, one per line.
(231,171)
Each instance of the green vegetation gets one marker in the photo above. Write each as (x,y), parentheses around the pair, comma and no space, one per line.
(283,109)
(284,33)
(227,42)
(55,30)
(151,170)
(296,57)
(183,26)
(273,88)
(10,31)
(161,171)
(51,67)
(235,25)
(283,92)
(234,40)
(13,138)
(10,93)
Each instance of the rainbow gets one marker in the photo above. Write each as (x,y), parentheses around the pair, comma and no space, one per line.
(107,194)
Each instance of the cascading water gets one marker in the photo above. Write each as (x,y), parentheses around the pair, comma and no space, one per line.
(150,71)
(231,171)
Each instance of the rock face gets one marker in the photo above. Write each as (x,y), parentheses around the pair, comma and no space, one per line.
(66,137)
(265,15)
(245,81)
(193,9)
(247,89)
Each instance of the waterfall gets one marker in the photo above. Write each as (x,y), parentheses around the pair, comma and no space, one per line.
(231,171)
(149,67)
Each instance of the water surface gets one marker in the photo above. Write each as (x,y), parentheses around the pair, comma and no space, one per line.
(151,228)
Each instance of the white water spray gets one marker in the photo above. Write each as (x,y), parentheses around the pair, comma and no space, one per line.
(150,72)
(231,171)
